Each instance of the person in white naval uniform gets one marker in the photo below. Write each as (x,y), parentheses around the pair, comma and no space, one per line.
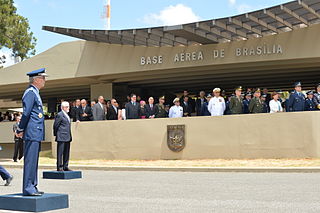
(217,104)
(176,111)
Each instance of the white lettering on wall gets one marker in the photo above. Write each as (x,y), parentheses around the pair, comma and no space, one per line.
(151,60)
(189,56)
(218,54)
(259,50)
(246,51)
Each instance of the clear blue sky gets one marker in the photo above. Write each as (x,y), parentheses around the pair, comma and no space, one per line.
(86,14)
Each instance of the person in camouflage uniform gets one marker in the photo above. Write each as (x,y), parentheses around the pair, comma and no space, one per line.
(161,112)
(256,104)
(235,105)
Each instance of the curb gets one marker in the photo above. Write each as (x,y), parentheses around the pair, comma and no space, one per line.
(185,169)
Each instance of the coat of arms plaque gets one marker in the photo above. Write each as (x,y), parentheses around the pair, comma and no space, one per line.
(176,137)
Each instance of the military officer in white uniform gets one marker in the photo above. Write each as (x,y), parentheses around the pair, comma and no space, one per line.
(217,104)
(176,111)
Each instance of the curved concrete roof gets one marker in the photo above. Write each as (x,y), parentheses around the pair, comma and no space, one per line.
(269,21)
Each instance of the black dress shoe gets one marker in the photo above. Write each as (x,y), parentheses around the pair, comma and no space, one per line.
(8,181)
(60,170)
(34,194)
(40,192)
(67,169)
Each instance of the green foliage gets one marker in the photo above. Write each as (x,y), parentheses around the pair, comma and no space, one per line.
(15,31)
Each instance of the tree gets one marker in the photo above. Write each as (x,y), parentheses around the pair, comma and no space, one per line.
(15,32)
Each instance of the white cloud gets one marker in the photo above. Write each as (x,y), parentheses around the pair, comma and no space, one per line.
(232,2)
(243,8)
(172,15)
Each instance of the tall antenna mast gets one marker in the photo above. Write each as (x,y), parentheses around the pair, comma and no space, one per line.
(107,14)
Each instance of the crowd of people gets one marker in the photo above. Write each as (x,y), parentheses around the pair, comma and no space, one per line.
(212,104)
(9,116)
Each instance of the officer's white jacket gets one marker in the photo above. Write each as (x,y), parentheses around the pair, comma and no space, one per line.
(176,112)
(216,106)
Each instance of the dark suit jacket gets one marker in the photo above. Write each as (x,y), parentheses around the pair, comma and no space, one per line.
(88,111)
(112,114)
(62,128)
(75,113)
(132,111)
(186,109)
(149,111)
(191,102)
(199,108)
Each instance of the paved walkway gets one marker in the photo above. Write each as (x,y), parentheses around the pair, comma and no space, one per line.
(121,191)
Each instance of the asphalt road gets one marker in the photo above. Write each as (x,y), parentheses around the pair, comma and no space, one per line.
(103,191)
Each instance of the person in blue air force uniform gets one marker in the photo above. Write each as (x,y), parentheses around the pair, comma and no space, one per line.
(62,131)
(309,104)
(31,127)
(5,175)
(296,100)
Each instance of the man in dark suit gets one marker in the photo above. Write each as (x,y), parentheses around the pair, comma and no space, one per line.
(191,102)
(187,108)
(85,111)
(112,112)
(62,132)
(75,111)
(200,102)
(133,108)
(151,109)
(18,142)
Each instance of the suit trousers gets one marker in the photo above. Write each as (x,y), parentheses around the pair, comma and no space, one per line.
(18,149)
(63,153)
(30,167)
(4,174)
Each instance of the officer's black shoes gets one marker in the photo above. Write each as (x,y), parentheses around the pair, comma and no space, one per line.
(67,170)
(8,181)
(35,194)
(60,170)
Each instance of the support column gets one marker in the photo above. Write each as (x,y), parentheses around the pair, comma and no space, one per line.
(105,89)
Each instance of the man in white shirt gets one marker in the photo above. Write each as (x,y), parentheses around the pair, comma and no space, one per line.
(217,104)
(176,111)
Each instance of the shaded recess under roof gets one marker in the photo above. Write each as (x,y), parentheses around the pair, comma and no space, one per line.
(269,21)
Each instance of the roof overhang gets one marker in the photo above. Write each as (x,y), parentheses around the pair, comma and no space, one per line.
(269,21)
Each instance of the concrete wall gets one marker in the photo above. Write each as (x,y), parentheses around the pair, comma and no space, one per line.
(7,142)
(283,135)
